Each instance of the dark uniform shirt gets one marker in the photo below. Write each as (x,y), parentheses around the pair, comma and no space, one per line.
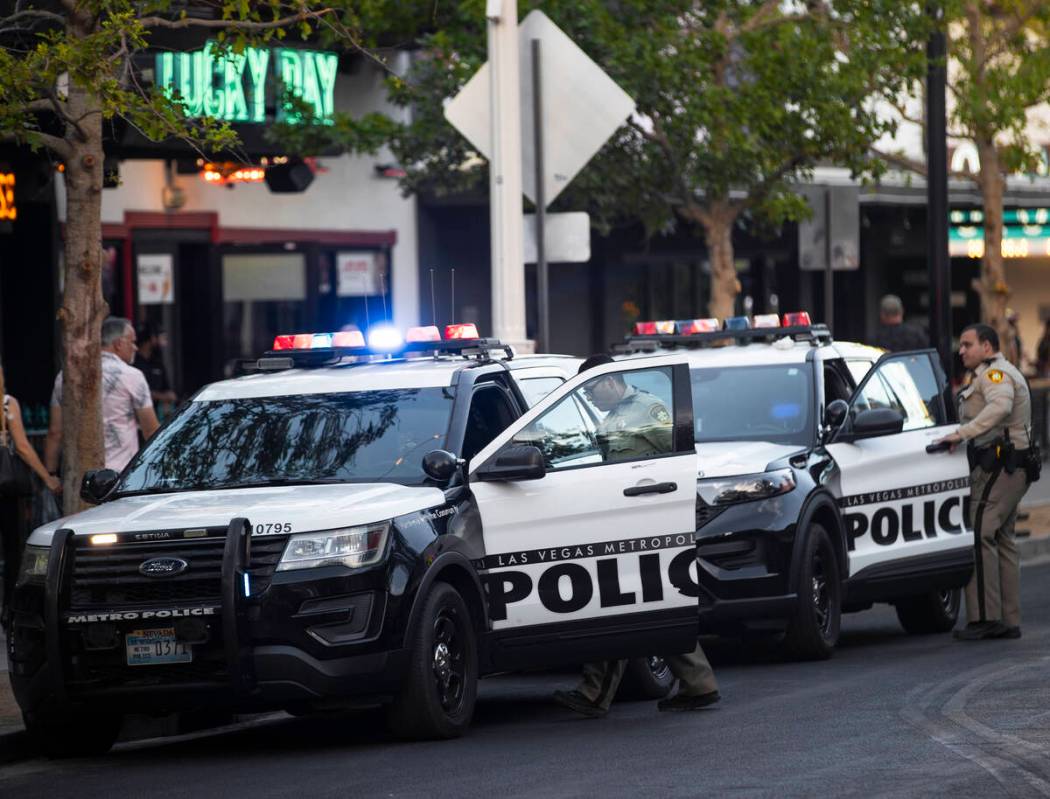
(638,426)
(901,338)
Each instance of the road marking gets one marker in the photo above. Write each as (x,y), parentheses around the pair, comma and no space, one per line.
(940,711)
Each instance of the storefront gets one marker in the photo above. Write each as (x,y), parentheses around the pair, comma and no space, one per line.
(220,294)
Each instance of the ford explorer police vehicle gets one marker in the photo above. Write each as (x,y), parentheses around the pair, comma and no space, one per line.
(818,494)
(342,527)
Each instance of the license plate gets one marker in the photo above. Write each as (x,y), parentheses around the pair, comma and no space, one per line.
(154,646)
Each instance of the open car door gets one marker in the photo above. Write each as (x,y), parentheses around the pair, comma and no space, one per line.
(899,501)
(588,510)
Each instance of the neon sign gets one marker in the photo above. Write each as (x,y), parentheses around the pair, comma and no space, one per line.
(233,87)
(8,210)
(1019,241)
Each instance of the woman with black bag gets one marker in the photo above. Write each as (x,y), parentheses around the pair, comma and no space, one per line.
(16,453)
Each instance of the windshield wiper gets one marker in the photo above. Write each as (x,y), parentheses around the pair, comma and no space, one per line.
(276,481)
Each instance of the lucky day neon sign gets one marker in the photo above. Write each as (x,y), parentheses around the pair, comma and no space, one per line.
(232,86)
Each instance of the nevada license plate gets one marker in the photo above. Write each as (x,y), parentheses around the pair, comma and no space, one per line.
(155,646)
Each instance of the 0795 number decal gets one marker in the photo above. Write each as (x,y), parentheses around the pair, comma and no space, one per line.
(272,529)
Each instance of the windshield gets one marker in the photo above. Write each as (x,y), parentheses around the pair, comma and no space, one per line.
(363,436)
(754,403)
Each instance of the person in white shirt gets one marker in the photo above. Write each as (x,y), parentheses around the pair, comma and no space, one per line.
(126,403)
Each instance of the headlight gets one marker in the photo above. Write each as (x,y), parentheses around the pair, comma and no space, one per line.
(747,487)
(347,546)
(34,565)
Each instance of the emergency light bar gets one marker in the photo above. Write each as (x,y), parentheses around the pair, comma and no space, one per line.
(383,340)
(761,326)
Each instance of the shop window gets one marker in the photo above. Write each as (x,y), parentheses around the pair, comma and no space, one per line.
(263,294)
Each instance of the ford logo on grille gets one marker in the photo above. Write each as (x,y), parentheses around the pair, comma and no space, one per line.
(163,567)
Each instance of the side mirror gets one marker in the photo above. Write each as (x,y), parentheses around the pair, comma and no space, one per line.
(97,483)
(522,462)
(877,422)
(835,414)
(440,465)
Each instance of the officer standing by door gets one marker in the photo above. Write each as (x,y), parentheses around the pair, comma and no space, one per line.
(995,412)
(636,424)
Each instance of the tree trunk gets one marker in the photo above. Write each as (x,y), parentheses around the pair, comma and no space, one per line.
(83,308)
(992,287)
(718,234)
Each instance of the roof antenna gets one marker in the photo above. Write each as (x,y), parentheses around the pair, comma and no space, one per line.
(382,293)
(368,322)
(453,295)
(433,304)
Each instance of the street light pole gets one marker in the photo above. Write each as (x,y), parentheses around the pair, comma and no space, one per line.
(937,190)
(505,204)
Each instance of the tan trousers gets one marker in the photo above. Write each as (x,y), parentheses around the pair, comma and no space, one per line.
(695,676)
(994,590)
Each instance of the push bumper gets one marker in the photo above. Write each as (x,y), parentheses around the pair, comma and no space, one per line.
(299,641)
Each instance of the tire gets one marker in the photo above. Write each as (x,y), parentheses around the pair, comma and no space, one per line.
(60,735)
(933,612)
(645,678)
(813,630)
(438,694)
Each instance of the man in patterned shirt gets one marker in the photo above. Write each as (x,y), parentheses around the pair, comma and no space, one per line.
(126,403)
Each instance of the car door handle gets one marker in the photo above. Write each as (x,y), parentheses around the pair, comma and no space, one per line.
(652,488)
(942,446)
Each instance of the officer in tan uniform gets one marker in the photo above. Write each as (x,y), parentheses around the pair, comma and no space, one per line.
(996,419)
(636,425)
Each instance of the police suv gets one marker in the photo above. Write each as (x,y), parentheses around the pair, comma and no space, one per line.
(817,493)
(356,524)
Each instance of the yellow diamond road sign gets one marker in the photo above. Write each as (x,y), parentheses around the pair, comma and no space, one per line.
(583,107)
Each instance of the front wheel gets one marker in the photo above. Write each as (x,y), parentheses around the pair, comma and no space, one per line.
(646,678)
(72,735)
(813,630)
(437,696)
(932,612)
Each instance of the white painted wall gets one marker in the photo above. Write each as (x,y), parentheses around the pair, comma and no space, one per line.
(348,196)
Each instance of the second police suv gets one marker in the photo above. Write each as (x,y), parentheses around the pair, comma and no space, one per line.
(345,527)
(817,491)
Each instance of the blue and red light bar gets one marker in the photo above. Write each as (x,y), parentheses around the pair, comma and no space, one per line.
(385,339)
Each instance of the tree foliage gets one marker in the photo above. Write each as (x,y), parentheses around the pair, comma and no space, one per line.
(737,100)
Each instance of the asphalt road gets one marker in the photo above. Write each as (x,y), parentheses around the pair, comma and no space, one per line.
(889,715)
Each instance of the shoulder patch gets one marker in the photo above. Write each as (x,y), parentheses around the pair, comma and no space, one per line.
(995,375)
(660,414)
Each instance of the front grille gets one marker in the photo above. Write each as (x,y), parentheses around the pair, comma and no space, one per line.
(109,575)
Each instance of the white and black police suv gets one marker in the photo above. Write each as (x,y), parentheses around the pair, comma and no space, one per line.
(818,492)
(340,528)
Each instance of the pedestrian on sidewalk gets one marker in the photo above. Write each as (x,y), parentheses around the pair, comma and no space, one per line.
(996,414)
(127,405)
(636,425)
(13,528)
(894,334)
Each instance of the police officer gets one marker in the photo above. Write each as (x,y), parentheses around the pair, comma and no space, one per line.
(996,414)
(636,425)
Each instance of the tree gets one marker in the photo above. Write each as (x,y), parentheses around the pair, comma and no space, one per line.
(999,69)
(67,66)
(737,100)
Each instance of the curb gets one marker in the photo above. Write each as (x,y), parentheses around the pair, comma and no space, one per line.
(1030,549)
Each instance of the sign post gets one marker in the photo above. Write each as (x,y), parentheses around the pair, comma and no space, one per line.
(570,120)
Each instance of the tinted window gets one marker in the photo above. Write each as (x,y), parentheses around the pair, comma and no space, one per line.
(366,436)
(754,403)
